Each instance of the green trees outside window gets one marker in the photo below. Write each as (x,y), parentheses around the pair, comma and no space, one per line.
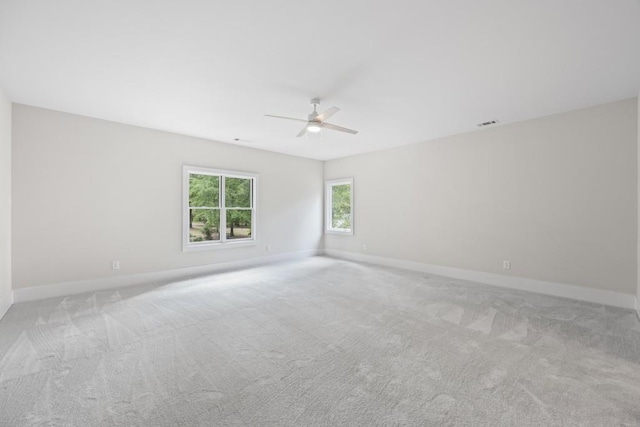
(238,203)
(215,200)
(204,208)
(341,206)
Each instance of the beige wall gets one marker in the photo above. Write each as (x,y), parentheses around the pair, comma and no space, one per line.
(87,192)
(556,196)
(5,199)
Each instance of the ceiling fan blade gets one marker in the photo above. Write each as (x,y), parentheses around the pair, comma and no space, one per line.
(283,117)
(338,128)
(327,113)
(303,132)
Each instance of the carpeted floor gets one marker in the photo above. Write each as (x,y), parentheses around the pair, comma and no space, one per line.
(318,342)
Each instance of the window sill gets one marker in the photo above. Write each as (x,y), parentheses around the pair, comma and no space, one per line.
(216,246)
(340,232)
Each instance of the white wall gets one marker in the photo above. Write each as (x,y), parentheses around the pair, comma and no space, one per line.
(556,196)
(5,203)
(88,191)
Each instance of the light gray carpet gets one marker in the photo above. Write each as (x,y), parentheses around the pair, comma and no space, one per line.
(318,342)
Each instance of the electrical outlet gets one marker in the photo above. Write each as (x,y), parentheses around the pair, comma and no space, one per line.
(364,247)
(506,265)
(115,265)
(268,248)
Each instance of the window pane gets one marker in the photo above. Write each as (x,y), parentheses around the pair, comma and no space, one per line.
(204,225)
(237,192)
(341,206)
(204,190)
(238,224)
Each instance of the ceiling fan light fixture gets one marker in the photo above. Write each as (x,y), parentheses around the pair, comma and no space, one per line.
(314,127)
(317,122)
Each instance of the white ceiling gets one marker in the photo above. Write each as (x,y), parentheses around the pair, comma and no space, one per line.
(401,71)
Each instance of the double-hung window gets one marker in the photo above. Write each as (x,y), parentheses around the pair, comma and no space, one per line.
(219,208)
(339,206)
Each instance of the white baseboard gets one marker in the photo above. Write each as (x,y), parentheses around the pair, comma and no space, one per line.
(5,304)
(77,287)
(617,299)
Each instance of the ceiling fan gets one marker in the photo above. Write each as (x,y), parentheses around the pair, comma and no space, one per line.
(316,121)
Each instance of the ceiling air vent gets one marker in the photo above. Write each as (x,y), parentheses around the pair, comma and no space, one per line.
(489,123)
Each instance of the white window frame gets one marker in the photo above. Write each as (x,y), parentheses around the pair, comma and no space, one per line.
(328,201)
(188,246)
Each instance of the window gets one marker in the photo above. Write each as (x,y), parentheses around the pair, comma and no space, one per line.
(339,206)
(219,208)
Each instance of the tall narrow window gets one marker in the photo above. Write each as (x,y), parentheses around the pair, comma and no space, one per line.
(219,208)
(339,206)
